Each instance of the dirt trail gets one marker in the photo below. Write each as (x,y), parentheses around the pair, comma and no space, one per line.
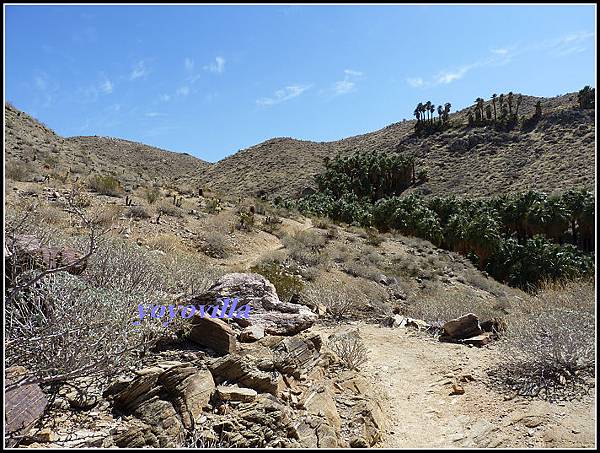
(263,244)
(415,374)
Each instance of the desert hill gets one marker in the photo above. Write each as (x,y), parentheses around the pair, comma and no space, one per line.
(557,154)
(34,150)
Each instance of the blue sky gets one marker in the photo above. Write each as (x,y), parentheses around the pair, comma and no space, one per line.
(210,80)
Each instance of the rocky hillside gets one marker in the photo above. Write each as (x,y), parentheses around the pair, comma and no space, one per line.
(556,154)
(33,150)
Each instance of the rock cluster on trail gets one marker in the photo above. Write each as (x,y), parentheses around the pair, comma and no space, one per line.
(268,314)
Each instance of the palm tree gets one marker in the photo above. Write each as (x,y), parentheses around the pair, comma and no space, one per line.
(494,104)
(447,107)
(428,108)
(440,111)
(510,102)
(417,112)
(501,102)
(519,100)
(488,111)
(432,110)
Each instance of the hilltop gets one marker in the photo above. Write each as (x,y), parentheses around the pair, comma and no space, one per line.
(557,154)
(34,150)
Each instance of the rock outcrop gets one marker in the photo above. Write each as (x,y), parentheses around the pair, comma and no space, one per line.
(268,313)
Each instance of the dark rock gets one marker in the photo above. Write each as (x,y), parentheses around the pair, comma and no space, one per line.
(466,326)
(23,405)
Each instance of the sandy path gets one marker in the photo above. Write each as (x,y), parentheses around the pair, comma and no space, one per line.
(414,374)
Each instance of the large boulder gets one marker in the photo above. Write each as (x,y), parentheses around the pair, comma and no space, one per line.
(266,310)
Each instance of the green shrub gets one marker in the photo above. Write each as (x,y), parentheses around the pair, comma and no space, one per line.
(105,185)
(286,284)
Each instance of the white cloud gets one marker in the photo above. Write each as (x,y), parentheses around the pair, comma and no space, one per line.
(343,87)
(446,77)
(415,82)
(348,84)
(153,114)
(282,95)
(218,66)
(351,72)
(165,97)
(189,64)
(106,87)
(139,70)
(183,91)
(500,51)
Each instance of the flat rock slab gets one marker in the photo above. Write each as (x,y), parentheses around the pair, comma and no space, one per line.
(234,393)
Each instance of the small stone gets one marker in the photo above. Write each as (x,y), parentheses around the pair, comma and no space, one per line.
(457,389)
(233,393)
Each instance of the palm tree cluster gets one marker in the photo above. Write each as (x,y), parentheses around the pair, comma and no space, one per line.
(426,121)
(373,175)
(519,239)
(502,111)
(587,97)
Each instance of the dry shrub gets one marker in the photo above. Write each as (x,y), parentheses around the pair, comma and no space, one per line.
(215,244)
(439,305)
(18,171)
(305,247)
(339,299)
(65,328)
(50,215)
(137,212)
(549,348)
(151,194)
(107,215)
(188,273)
(169,210)
(105,185)
(125,266)
(167,243)
(350,350)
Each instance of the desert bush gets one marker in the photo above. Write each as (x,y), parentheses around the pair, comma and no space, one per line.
(550,355)
(374,238)
(214,244)
(213,205)
(151,194)
(440,305)
(18,171)
(341,301)
(187,273)
(359,269)
(65,328)
(107,215)
(350,350)
(245,221)
(305,247)
(105,185)
(167,243)
(169,210)
(271,223)
(137,212)
(124,266)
